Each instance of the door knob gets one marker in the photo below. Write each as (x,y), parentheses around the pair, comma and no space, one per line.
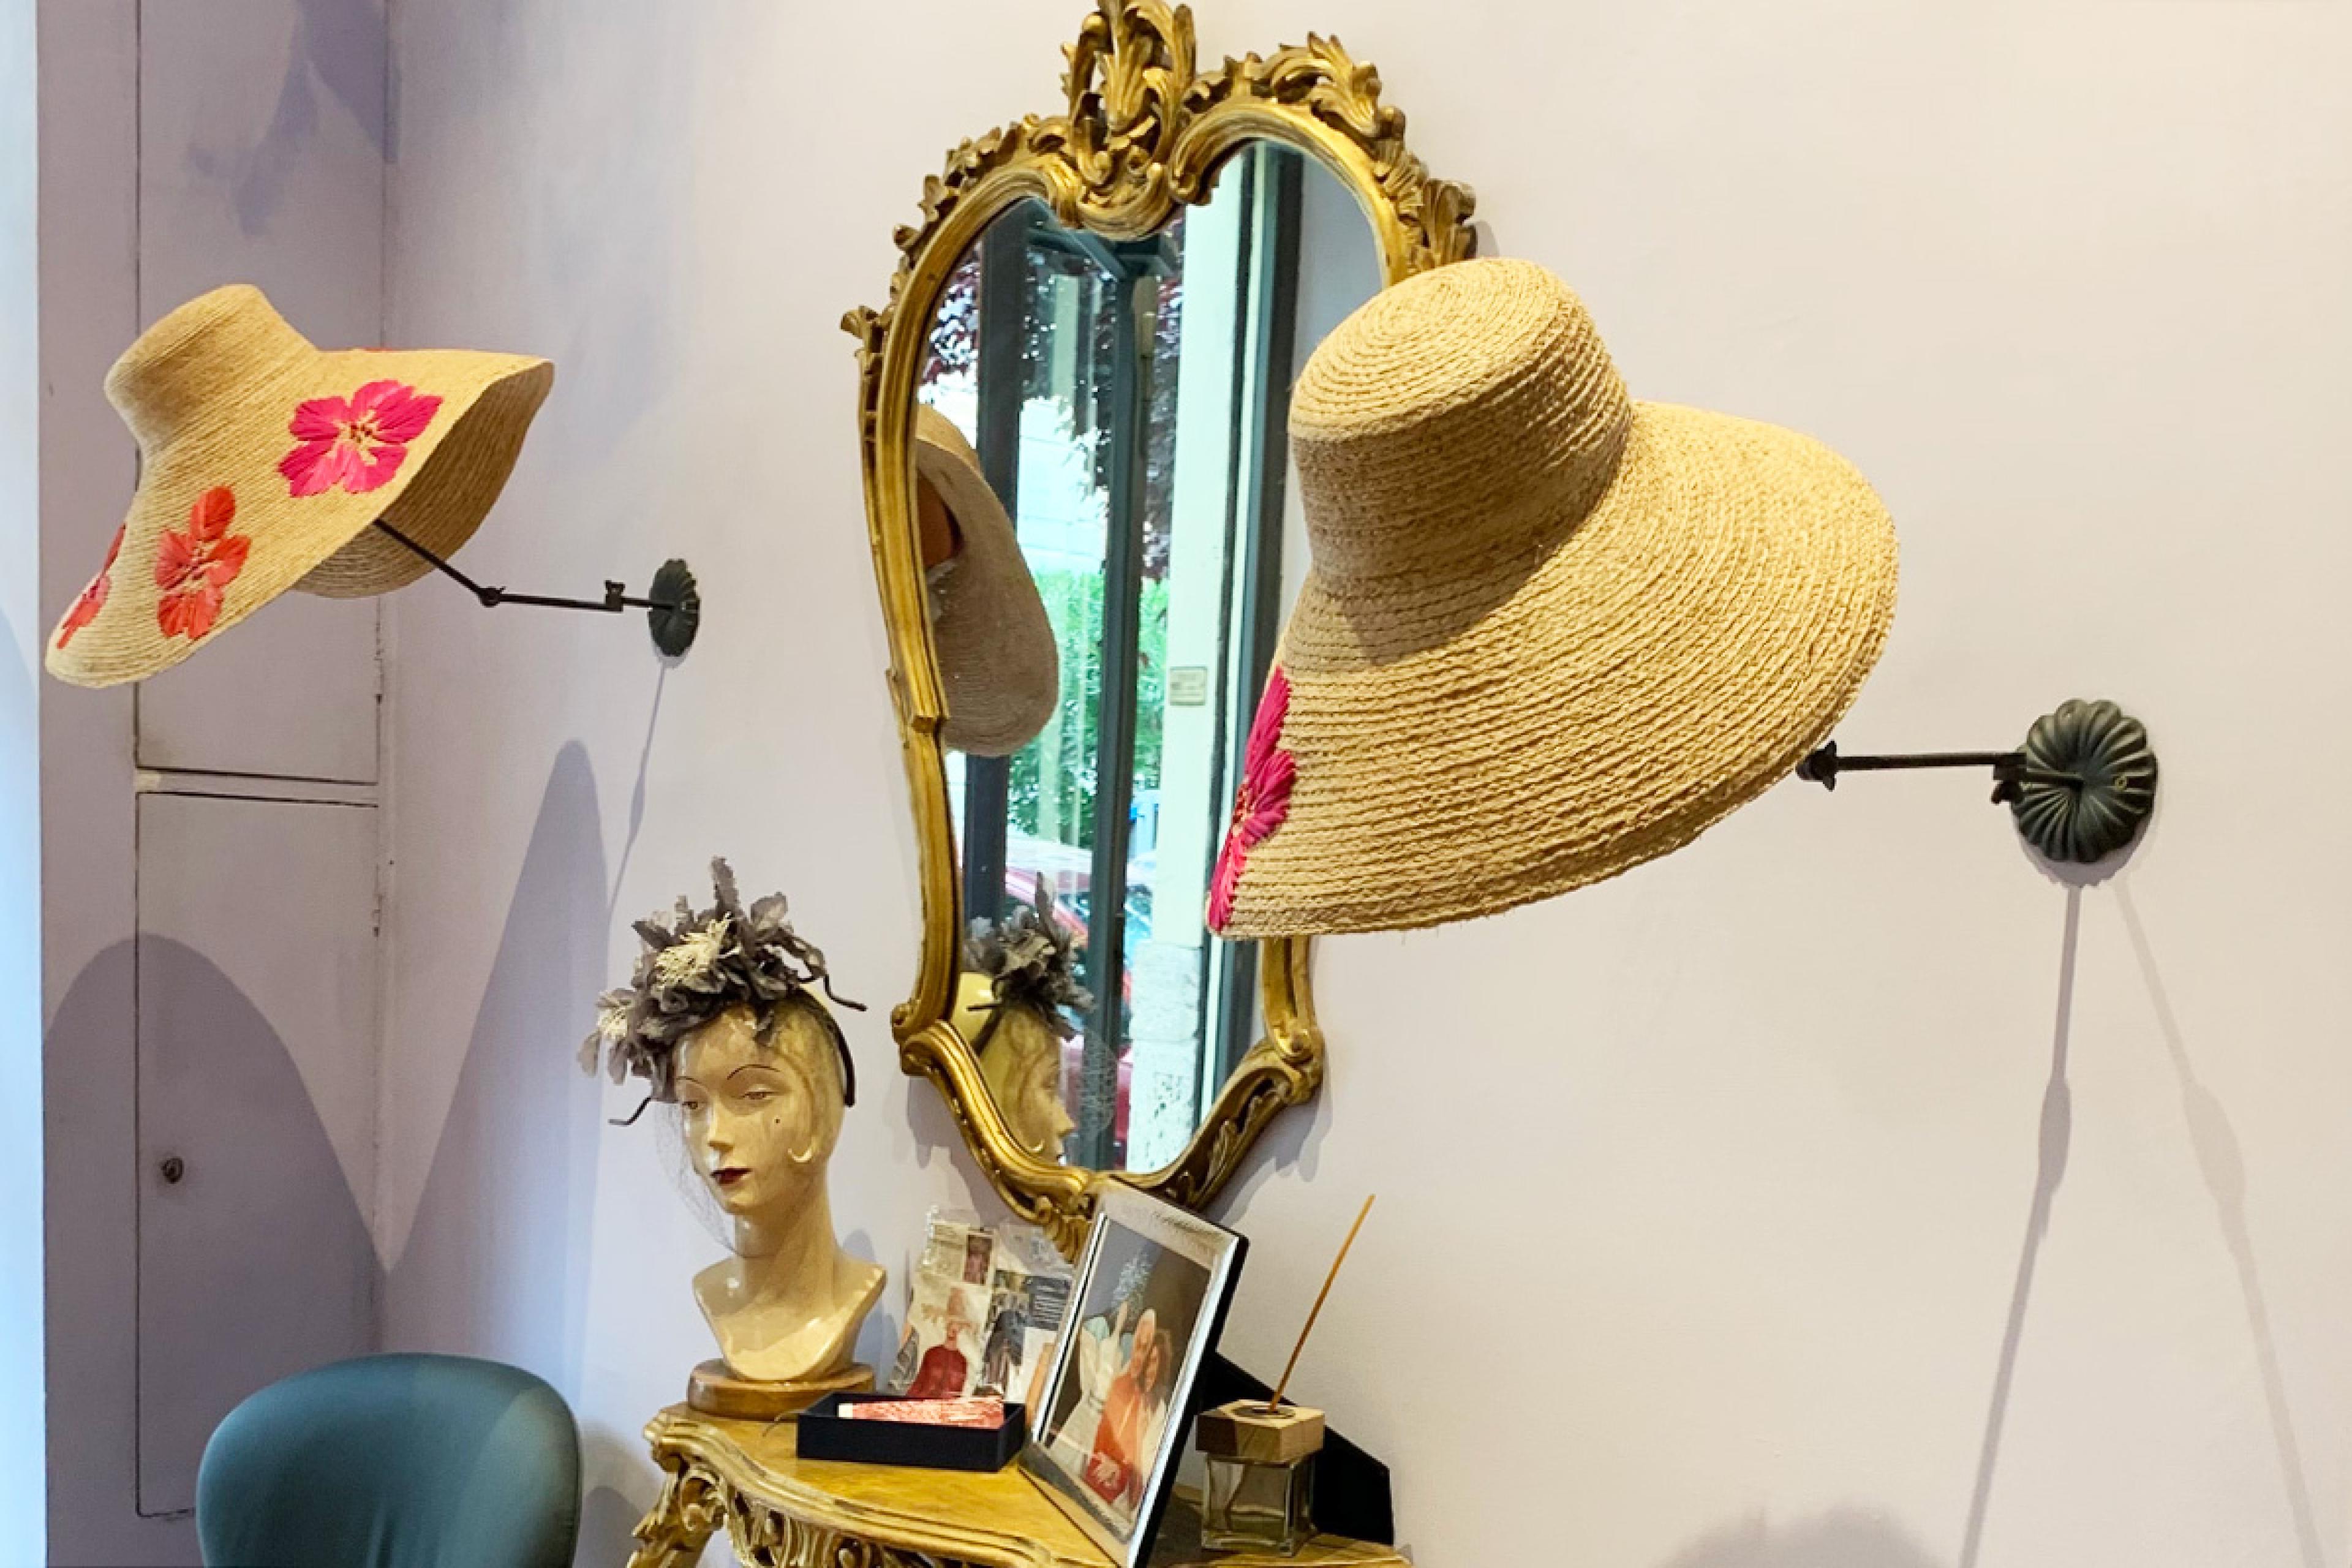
(173,1168)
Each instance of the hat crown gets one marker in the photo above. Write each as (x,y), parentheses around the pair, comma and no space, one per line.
(1467,415)
(218,345)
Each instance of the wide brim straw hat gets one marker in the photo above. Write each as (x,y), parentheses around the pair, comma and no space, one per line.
(263,463)
(1549,633)
(995,648)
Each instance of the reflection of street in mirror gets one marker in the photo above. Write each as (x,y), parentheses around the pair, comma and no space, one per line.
(1126,402)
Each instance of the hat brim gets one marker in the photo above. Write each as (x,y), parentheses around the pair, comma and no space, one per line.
(296,532)
(1462,748)
(998,661)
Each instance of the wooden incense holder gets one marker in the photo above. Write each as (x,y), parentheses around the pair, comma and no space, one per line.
(1249,1431)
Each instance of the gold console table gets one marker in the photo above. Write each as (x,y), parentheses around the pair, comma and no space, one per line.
(746,1478)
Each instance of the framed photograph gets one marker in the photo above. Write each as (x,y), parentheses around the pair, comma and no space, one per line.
(1109,1423)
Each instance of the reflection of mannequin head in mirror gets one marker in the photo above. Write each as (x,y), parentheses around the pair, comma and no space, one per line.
(1012,1004)
(722,1019)
(1021,1062)
(760,1118)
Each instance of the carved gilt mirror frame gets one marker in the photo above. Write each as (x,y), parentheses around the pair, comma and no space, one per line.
(1142,135)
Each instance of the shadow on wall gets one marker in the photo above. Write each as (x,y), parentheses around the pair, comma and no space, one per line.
(2222,1161)
(261,1213)
(2055,1138)
(497,1264)
(1840,1538)
(608,1520)
(588,243)
(342,44)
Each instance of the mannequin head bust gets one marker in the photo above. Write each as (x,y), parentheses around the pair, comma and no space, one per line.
(722,1018)
(761,1112)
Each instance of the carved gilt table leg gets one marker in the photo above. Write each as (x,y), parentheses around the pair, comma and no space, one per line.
(763,1538)
(672,1534)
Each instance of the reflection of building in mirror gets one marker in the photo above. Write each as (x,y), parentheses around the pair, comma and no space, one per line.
(1128,401)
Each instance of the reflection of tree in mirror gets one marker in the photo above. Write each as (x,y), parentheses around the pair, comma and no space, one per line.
(955,326)
(1062,807)
(1085,404)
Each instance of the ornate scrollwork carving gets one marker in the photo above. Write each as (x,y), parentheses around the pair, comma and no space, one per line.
(682,1521)
(1127,78)
(764,1537)
(1141,133)
(1343,94)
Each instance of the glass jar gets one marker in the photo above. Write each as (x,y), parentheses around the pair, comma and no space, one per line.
(1255,1507)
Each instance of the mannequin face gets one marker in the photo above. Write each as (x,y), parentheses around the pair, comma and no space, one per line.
(1022,1064)
(759,1120)
(1033,1107)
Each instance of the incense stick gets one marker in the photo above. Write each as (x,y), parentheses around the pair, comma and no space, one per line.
(1274,1402)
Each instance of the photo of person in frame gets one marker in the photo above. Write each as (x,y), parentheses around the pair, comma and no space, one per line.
(1007,1335)
(1134,1327)
(945,1370)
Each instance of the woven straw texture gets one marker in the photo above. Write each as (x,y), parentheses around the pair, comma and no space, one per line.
(988,630)
(243,494)
(1550,632)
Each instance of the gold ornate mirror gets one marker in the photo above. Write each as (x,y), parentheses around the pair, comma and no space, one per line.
(1076,487)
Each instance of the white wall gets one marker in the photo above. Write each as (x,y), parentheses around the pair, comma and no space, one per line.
(21,1398)
(1840,1192)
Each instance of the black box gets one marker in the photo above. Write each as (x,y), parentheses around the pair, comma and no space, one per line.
(825,1433)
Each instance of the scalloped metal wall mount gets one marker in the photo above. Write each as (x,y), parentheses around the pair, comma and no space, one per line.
(2092,783)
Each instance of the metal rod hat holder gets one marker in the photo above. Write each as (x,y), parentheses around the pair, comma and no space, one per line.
(2080,787)
(673,607)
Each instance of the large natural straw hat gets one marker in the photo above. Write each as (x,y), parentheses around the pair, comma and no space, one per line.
(994,645)
(1550,633)
(263,461)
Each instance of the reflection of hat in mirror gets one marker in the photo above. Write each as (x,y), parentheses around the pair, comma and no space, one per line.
(995,648)
(264,460)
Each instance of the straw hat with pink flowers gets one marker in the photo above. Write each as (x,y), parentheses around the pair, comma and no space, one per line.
(1550,633)
(264,461)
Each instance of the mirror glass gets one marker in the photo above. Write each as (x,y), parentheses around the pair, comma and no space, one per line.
(1111,541)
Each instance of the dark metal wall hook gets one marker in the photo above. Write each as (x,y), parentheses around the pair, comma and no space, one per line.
(2079,787)
(673,610)
(2012,771)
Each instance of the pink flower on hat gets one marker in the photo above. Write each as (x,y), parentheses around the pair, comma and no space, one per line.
(357,443)
(1261,801)
(93,598)
(192,568)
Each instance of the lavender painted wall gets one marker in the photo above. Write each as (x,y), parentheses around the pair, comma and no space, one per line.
(183,146)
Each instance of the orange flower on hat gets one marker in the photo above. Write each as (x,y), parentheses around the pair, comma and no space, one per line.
(93,598)
(1262,802)
(192,568)
(356,442)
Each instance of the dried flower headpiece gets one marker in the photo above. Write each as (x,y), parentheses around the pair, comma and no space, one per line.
(1031,957)
(695,966)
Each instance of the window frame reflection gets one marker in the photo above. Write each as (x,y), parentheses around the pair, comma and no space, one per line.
(1131,386)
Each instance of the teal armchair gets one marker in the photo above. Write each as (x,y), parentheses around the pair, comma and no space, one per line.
(394,1461)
